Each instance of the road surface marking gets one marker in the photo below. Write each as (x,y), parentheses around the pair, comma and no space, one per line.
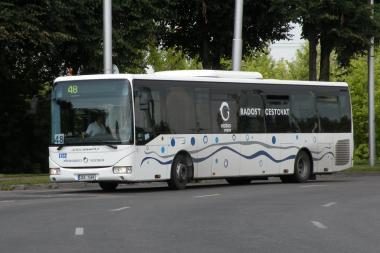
(206,196)
(313,185)
(329,204)
(79,231)
(120,209)
(6,201)
(318,224)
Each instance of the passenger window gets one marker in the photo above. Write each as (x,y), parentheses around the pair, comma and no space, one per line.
(277,114)
(303,116)
(251,112)
(328,110)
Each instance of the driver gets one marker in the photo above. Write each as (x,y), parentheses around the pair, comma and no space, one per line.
(97,127)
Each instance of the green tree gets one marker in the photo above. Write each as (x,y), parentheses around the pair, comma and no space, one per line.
(263,63)
(333,23)
(204,28)
(298,68)
(357,77)
(38,40)
(170,59)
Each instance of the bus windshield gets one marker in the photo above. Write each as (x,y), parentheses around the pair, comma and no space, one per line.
(92,112)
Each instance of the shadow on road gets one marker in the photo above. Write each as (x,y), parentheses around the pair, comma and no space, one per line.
(211,184)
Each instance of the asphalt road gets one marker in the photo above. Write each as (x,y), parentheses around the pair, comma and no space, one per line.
(337,213)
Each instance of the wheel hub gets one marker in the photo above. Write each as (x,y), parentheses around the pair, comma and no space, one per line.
(301,166)
(181,172)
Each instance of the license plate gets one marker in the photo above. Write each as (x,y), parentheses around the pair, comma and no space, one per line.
(87,177)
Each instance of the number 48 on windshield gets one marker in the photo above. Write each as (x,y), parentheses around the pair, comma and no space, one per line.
(72,89)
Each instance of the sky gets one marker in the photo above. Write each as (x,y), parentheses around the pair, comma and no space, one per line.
(286,49)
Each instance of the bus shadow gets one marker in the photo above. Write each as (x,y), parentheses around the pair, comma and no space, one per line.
(162,187)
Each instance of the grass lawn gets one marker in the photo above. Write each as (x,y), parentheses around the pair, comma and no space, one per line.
(363,167)
(8,181)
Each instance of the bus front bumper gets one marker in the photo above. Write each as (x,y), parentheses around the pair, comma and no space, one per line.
(122,173)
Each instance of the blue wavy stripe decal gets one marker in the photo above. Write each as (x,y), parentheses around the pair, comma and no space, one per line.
(245,143)
(250,157)
(318,159)
(152,158)
(253,156)
(319,152)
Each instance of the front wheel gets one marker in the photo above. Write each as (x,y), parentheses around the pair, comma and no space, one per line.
(108,186)
(180,172)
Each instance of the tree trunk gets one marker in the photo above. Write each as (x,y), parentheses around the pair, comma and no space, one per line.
(205,52)
(326,50)
(205,48)
(313,43)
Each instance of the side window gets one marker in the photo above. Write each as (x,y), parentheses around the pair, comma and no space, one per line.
(180,110)
(149,113)
(335,112)
(251,112)
(224,110)
(277,109)
(329,113)
(166,108)
(345,111)
(303,115)
(202,110)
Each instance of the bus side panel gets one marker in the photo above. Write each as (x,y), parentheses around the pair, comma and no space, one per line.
(287,146)
(253,147)
(262,155)
(226,159)
(149,166)
(324,158)
(206,146)
(310,142)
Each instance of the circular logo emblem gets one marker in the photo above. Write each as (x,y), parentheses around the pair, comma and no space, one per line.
(85,159)
(224,111)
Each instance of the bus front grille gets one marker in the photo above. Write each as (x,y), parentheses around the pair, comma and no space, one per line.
(342,152)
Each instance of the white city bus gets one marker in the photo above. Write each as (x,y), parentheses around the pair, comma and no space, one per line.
(179,126)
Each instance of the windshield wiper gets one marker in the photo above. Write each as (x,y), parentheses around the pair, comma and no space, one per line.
(111,146)
(108,145)
(60,147)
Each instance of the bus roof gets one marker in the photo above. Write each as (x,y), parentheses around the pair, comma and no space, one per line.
(210,73)
(201,76)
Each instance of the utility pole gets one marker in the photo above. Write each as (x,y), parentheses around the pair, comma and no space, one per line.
(237,43)
(107,32)
(371,99)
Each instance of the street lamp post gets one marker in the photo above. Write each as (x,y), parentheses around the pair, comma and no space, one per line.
(237,42)
(107,32)
(371,100)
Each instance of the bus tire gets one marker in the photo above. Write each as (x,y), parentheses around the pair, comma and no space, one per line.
(302,167)
(179,174)
(108,186)
(239,181)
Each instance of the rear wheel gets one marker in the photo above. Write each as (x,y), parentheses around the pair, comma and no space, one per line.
(302,167)
(108,186)
(180,173)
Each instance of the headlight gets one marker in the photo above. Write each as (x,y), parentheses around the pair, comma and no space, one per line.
(55,171)
(122,170)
